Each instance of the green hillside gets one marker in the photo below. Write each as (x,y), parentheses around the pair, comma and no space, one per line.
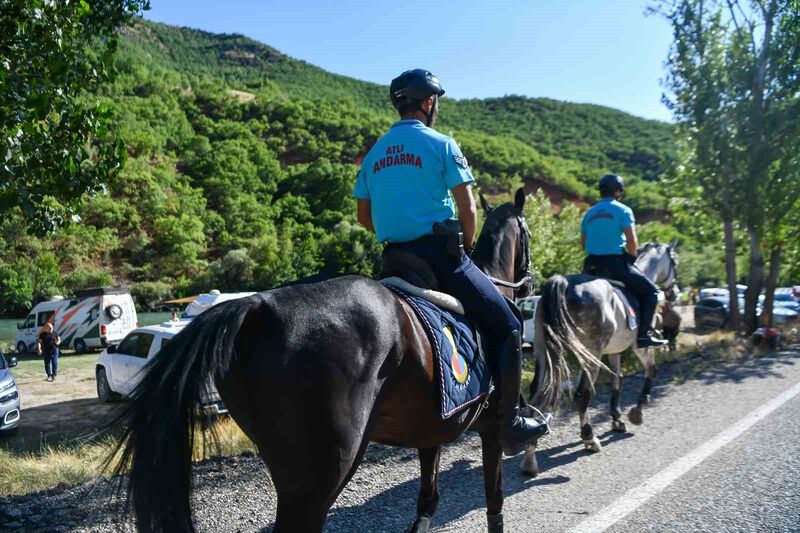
(241,164)
(567,144)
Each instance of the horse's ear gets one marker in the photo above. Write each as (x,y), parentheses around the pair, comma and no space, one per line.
(485,205)
(673,244)
(519,198)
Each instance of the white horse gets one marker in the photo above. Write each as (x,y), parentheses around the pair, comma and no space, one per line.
(584,314)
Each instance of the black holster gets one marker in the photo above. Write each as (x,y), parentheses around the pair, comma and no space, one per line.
(451,230)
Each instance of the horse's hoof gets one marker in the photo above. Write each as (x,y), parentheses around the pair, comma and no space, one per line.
(593,445)
(495,522)
(618,426)
(635,416)
(420,525)
(529,466)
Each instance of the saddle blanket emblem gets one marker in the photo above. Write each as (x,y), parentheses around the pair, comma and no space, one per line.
(462,373)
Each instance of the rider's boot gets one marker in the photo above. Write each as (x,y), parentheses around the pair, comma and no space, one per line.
(516,431)
(648,310)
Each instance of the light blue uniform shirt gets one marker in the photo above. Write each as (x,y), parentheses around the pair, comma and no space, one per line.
(603,225)
(407,177)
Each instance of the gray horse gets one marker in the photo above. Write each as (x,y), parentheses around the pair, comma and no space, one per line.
(585,315)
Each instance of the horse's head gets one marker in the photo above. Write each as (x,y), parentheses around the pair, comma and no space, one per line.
(503,250)
(659,263)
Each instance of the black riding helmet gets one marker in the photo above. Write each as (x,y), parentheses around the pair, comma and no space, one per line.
(611,183)
(414,86)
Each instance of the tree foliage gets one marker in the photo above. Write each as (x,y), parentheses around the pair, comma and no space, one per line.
(241,164)
(54,137)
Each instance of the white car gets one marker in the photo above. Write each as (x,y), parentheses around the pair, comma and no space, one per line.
(118,368)
(527,307)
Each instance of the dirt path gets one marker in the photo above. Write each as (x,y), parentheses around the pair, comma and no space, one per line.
(53,413)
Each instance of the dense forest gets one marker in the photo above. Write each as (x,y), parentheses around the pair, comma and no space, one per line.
(241,163)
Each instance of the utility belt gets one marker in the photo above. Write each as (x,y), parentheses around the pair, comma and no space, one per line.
(599,265)
(445,234)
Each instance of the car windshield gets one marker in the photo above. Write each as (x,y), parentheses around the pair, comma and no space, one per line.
(784,297)
(2,362)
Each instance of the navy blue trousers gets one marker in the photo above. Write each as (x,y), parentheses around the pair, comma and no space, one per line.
(51,364)
(483,303)
(618,268)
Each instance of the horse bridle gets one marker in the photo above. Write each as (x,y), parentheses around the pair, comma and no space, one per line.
(672,273)
(525,233)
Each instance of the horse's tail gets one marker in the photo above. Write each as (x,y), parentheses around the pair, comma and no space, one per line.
(161,420)
(557,332)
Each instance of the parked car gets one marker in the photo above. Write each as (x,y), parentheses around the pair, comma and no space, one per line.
(93,318)
(9,396)
(712,311)
(118,368)
(787,300)
(527,307)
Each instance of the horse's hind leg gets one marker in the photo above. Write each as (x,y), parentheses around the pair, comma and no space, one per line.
(583,395)
(493,479)
(428,500)
(616,386)
(648,360)
(309,475)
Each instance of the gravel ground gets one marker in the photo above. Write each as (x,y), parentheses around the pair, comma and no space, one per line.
(694,400)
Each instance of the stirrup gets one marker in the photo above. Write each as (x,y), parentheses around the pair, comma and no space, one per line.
(650,341)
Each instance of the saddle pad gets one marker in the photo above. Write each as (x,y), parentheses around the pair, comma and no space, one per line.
(631,306)
(461,370)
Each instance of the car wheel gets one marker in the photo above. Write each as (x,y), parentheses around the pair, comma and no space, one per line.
(104,392)
(22,347)
(80,345)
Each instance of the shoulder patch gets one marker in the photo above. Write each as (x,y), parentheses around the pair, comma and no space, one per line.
(461,161)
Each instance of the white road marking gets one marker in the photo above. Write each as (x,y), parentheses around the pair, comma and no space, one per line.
(634,498)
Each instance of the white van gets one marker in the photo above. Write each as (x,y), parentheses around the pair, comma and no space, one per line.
(93,318)
(206,301)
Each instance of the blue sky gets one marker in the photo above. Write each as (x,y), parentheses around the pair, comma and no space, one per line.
(594,51)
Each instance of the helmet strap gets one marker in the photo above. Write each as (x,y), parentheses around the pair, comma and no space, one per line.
(429,115)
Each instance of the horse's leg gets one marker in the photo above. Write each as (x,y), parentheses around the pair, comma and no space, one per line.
(493,479)
(428,500)
(583,395)
(616,386)
(305,499)
(648,359)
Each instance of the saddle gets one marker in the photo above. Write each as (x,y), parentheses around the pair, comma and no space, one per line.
(629,301)
(412,274)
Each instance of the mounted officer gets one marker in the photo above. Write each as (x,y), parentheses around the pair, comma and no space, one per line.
(608,234)
(403,189)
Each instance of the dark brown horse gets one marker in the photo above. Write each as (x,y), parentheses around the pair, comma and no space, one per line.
(312,372)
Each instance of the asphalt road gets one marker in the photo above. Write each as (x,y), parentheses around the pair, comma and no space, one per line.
(748,484)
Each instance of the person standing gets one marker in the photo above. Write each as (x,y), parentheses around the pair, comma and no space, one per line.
(47,346)
(608,235)
(403,188)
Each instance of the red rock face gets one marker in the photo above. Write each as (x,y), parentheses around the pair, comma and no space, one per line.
(556,195)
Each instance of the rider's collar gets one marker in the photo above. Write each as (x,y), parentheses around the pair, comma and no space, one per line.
(407,121)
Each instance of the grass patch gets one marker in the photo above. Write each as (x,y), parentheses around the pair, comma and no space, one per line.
(74,463)
(32,366)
